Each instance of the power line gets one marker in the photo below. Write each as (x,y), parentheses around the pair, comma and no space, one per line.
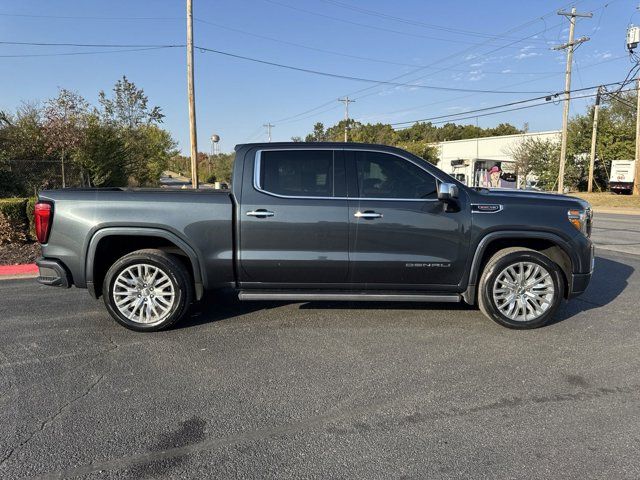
(358,79)
(343,54)
(83,17)
(374,27)
(524,25)
(274,64)
(509,104)
(505,111)
(319,107)
(95,45)
(61,54)
(413,22)
(414,108)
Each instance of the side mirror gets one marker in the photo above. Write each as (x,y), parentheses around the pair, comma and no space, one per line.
(447,192)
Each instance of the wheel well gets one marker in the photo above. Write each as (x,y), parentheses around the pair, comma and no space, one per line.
(546,247)
(113,247)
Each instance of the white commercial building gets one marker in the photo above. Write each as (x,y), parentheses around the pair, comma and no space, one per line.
(486,161)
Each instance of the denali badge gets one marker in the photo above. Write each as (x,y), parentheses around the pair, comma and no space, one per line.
(485,208)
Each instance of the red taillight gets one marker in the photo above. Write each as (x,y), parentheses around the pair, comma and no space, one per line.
(43,216)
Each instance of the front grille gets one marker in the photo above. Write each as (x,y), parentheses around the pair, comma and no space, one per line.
(589,220)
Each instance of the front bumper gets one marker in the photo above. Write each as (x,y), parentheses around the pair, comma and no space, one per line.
(53,273)
(580,281)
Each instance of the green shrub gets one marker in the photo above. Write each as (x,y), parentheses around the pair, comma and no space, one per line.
(14,224)
(31,203)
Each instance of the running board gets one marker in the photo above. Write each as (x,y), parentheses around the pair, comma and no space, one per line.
(347,297)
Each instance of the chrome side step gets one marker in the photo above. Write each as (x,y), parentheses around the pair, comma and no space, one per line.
(246,295)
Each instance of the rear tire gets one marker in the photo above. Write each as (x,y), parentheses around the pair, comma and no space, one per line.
(520,288)
(147,290)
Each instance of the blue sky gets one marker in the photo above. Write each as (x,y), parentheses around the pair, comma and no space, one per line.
(444,44)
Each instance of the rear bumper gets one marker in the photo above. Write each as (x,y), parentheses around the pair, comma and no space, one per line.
(53,273)
(621,186)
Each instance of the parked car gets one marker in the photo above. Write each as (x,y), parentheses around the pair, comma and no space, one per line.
(319,221)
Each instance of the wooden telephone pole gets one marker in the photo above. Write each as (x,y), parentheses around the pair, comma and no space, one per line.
(569,47)
(594,135)
(268,126)
(193,136)
(346,101)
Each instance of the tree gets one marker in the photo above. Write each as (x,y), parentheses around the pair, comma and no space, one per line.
(129,106)
(148,148)
(64,122)
(532,154)
(421,149)
(102,154)
(318,134)
(25,163)
(417,139)
(503,129)
(542,159)
(222,167)
(373,133)
(615,139)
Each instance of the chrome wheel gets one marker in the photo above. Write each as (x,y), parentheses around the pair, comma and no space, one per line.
(143,293)
(523,291)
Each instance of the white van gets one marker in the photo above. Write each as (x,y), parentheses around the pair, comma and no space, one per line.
(622,173)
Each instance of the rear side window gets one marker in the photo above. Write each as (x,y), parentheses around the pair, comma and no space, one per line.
(381,175)
(298,173)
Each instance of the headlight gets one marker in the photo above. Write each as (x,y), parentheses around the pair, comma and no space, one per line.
(581,219)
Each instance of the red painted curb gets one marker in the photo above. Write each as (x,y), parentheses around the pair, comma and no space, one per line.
(18,269)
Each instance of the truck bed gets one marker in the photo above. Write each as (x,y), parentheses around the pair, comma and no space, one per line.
(200,219)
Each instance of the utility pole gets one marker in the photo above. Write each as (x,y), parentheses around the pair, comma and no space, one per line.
(193,137)
(636,177)
(594,135)
(346,102)
(569,47)
(268,126)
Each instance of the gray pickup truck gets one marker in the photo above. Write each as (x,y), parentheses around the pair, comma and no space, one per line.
(313,222)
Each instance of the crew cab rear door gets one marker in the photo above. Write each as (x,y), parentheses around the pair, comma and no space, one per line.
(401,235)
(293,219)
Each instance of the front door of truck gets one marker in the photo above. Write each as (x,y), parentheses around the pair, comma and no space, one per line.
(401,236)
(293,219)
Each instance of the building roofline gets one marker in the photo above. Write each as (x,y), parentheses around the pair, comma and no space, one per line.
(515,135)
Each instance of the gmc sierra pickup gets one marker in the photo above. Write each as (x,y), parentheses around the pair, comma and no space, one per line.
(318,221)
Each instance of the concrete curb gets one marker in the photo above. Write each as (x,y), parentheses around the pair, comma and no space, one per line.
(11,272)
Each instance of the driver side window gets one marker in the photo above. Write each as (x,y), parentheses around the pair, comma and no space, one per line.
(382,175)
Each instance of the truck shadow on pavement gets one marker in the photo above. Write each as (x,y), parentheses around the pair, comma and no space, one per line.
(609,280)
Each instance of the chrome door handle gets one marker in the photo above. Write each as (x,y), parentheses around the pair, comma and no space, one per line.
(367,214)
(260,213)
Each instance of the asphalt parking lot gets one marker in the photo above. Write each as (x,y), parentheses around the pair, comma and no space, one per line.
(255,390)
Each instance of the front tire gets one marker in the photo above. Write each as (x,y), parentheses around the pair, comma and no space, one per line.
(147,290)
(520,288)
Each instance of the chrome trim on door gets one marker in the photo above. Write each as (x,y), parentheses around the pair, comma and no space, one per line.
(260,213)
(360,214)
